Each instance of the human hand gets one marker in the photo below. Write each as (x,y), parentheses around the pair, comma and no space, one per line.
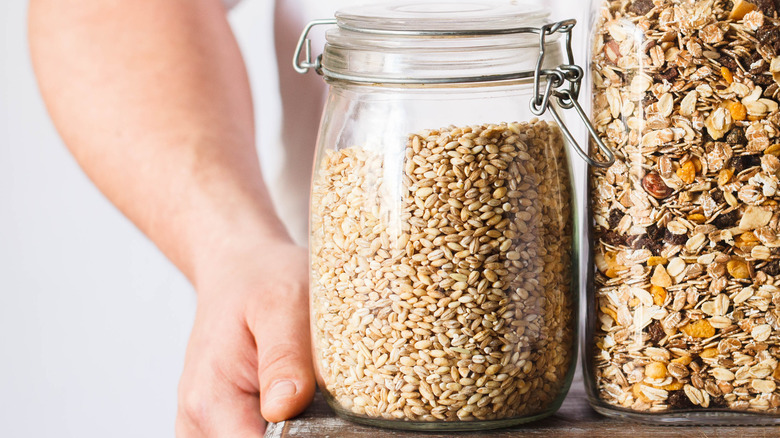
(250,338)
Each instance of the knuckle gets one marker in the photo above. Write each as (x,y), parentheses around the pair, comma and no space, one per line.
(192,408)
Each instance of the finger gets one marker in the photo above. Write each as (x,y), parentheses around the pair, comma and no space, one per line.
(215,397)
(239,416)
(284,355)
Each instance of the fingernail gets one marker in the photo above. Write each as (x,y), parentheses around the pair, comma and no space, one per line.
(281,390)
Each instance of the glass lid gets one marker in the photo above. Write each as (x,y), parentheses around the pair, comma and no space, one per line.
(447,17)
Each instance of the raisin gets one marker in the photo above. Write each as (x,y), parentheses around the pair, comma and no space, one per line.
(678,400)
(743,162)
(669,74)
(726,220)
(736,136)
(654,233)
(638,242)
(641,7)
(772,268)
(767,7)
(769,35)
(717,196)
(612,238)
(675,239)
(763,80)
(753,62)
(727,61)
(615,216)
(648,100)
(718,402)
(656,331)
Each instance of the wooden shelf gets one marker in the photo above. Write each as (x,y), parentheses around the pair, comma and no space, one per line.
(574,419)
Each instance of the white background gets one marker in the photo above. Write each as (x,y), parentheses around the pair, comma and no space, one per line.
(93,319)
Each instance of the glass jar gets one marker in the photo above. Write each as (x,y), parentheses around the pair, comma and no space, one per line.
(442,241)
(683,318)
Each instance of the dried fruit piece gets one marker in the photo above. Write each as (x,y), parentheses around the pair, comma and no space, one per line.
(740,9)
(659,295)
(709,353)
(655,260)
(641,7)
(655,370)
(697,218)
(678,400)
(683,360)
(699,329)
(656,331)
(724,176)
(674,386)
(737,110)
(737,269)
(687,172)
(660,277)
(726,73)
(656,186)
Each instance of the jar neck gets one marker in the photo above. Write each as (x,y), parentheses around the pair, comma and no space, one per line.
(356,57)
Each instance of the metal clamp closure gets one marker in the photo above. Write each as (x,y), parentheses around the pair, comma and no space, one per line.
(557,79)
(304,45)
(563,82)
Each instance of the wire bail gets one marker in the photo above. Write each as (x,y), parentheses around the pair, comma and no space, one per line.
(563,82)
(557,79)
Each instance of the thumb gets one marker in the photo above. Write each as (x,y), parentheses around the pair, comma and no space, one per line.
(285,374)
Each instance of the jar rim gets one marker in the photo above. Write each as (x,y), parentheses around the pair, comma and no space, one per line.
(445,17)
(438,41)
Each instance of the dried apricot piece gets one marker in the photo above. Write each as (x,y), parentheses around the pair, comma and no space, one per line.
(737,268)
(655,260)
(699,329)
(740,9)
(724,176)
(709,353)
(655,370)
(659,295)
(726,73)
(674,386)
(697,218)
(737,109)
(687,172)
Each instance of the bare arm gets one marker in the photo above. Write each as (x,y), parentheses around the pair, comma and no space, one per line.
(152,98)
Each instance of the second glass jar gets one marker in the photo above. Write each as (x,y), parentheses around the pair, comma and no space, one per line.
(683,321)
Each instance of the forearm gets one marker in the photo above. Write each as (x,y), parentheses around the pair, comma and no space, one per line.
(152,98)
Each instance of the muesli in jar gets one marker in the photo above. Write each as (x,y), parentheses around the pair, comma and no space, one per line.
(687,277)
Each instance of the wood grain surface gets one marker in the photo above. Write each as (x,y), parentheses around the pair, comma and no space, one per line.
(574,419)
